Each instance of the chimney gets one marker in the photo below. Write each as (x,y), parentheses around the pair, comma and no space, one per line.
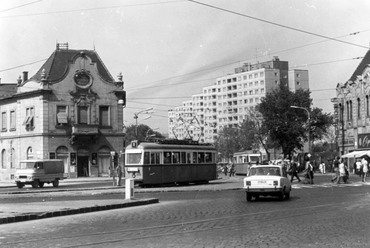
(25,76)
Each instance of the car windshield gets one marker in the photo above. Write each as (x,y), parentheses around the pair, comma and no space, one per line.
(265,171)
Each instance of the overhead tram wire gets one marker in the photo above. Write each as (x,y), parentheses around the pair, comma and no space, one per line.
(277,24)
(90,9)
(20,6)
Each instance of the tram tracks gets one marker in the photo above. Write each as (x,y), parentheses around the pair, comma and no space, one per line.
(247,221)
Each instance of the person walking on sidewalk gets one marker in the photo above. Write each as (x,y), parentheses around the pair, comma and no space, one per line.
(342,172)
(336,170)
(119,175)
(365,169)
(232,169)
(294,170)
(309,171)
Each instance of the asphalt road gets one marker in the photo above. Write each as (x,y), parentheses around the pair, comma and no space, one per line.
(316,216)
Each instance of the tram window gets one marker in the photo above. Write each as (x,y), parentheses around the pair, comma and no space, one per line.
(167,157)
(157,156)
(133,158)
(188,158)
(175,157)
(208,157)
(146,157)
(183,157)
(195,158)
(152,158)
(200,157)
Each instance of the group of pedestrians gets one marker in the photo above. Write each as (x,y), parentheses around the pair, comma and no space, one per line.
(341,171)
(362,168)
(229,169)
(292,168)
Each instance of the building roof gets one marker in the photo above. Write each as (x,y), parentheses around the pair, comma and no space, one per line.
(57,65)
(7,90)
(360,68)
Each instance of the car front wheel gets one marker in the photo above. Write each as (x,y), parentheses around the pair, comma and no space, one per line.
(249,196)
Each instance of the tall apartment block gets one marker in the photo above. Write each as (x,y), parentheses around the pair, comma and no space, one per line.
(230,99)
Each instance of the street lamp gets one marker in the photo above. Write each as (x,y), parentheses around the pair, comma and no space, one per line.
(136,116)
(308,124)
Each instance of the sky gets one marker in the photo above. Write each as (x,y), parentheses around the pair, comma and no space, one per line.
(168,50)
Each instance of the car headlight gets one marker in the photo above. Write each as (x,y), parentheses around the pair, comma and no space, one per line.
(247,183)
(276,183)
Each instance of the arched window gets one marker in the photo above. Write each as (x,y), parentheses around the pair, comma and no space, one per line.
(29,153)
(3,159)
(358,108)
(367,106)
(12,159)
(350,110)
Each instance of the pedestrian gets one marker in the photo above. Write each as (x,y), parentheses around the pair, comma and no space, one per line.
(365,169)
(358,167)
(342,172)
(336,170)
(322,167)
(225,169)
(294,171)
(232,170)
(119,175)
(309,172)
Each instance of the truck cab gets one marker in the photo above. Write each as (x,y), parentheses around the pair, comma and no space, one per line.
(38,172)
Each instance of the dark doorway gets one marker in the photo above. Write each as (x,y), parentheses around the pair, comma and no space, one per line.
(82,166)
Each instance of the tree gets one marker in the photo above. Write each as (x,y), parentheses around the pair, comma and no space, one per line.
(143,133)
(289,127)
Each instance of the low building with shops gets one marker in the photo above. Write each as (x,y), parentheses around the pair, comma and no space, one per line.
(71,109)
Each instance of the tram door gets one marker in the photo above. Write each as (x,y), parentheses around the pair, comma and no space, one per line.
(82,166)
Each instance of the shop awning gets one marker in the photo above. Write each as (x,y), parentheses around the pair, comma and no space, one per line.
(356,154)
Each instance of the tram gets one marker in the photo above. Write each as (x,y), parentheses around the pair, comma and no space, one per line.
(170,161)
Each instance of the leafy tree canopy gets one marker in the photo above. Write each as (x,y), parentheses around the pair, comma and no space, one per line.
(144,132)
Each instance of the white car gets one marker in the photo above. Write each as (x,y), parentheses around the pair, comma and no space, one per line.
(267,180)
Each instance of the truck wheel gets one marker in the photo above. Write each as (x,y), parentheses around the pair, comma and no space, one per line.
(35,184)
(56,182)
(281,195)
(20,185)
(41,184)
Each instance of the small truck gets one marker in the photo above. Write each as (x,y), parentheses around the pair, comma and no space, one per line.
(37,172)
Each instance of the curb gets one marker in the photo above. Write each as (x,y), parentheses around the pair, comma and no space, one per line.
(36,216)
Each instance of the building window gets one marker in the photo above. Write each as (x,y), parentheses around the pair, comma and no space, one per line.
(367,105)
(3,121)
(12,120)
(12,158)
(358,108)
(83,115)
(29,153)
(3,159)
(104,116)
(29,121)
(62,115)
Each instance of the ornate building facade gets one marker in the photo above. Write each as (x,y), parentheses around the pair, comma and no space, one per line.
(352,110)
(71,109)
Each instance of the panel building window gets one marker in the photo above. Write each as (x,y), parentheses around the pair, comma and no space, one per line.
(104,116)
(62,115)
(3,121)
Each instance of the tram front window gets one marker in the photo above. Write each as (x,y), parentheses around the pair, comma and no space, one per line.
(133,158)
